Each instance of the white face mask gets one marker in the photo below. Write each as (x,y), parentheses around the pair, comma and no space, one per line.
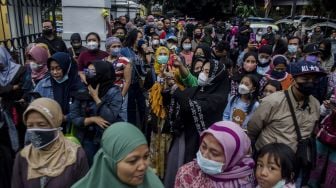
(186,46)
(209,166)
(155,42)
(263,60)
(202,79)
(92,45)
(243,89)
(34,66)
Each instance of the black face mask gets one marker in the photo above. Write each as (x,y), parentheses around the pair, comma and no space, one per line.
(278,74)
(92,81)
(47,32)
(41,138)
(306,88)
(196,74)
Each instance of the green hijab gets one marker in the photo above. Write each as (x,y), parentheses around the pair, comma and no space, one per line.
(117,142)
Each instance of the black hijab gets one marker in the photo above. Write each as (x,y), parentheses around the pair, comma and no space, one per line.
(105,77)
(200,107)
(62,91)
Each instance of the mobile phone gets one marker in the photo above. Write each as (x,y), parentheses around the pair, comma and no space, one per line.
(252,37)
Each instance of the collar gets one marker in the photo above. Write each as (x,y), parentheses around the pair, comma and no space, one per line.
(299,105)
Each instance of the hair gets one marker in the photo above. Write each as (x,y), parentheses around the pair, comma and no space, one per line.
(117,28)
(248,54)
(223,45)
(52,23)
(275,84)
(327,45)
(284,157)
(95,34)
(130,40)
(294,37)
(253,96)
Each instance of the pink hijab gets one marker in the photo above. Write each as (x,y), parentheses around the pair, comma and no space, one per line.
(238,168)
(40,55)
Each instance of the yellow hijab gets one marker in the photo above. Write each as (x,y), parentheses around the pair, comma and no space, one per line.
(61,154)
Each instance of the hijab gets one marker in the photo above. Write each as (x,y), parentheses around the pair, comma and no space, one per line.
(105,77)
(62,91)
(10,67)
(63,152)
(40,55)
(157,66)
(117,142)
(236,144)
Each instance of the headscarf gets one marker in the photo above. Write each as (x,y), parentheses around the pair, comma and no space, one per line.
(10,67)
(62,91)
(157,66)
(63,152)
(105,77)
(119,140)
(236,144)
(40,55)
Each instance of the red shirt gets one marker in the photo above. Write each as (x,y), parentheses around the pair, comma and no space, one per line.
(86,57)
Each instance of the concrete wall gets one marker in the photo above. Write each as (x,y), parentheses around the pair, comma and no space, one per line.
(83,17)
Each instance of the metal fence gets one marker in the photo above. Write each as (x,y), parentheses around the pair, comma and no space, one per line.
(21,23)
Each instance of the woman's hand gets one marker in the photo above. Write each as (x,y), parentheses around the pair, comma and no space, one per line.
(99,121)
(94,93)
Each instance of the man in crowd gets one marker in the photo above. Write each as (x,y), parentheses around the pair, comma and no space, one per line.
(54,43)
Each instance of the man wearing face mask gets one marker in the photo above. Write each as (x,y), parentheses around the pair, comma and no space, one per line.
(273,120)
(294,52)
(264,59)
(197,38)
(54,43)
(76,46)
(221,50)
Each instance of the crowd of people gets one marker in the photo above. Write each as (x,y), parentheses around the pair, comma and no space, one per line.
(169,103)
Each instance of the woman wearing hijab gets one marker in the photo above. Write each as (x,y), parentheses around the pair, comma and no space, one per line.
(192,111)
(122,161)
(93,110)
(279,71)
(37,59)
(223,160)
(12,82)
(63,81)
(50,160)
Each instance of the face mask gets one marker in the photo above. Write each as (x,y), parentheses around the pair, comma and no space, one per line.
(34,66)
(280,184)
(41,138)
(115,52)
(265,94)
(259,33)
(92,45)
(162,59)
(198,35)
(208,166)
(243,89)
(196,74)
(186,46)
(141,42)
(76,45)
(65,77)
(306,88)
(47,32)
(278,74)
(263,60)
(121,37)
(155,42)
(292,49)
(202,79)
(312,58)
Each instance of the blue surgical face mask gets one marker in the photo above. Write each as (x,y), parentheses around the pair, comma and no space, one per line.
(163,59)
(65,77)
(292,48)
(115,51)
(208,166)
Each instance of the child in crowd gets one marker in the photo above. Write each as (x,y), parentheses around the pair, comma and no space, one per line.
(275,166)
(271,86)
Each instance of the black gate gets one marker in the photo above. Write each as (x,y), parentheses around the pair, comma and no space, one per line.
(21,23)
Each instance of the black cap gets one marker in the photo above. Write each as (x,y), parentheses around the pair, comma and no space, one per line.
(311,49)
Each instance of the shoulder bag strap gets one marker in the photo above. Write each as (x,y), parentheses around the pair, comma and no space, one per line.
(297,129)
